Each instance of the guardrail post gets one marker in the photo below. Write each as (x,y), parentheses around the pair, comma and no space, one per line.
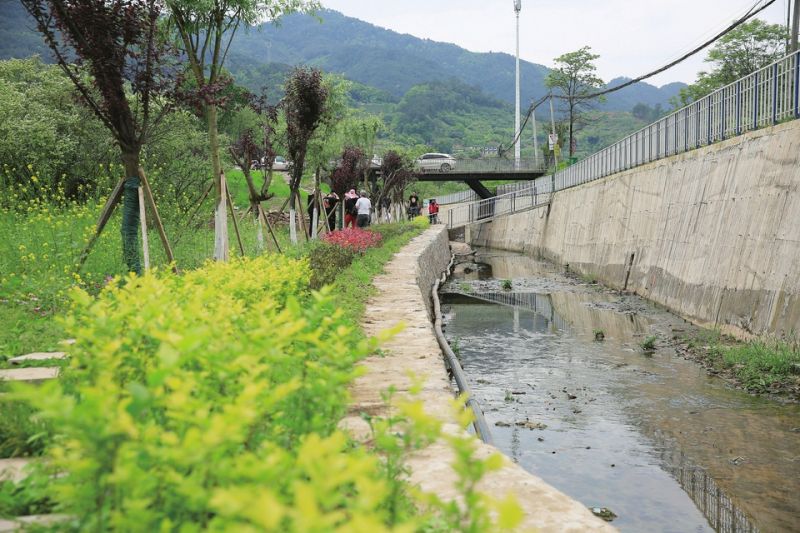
(722,118)
(450,218)
(775,94)
(797,84)
(755,101)
(739,107)
(686,130)
(697,132)
(710,115)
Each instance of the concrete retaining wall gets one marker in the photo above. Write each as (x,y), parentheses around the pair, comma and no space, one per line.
(711,234)
(404,297)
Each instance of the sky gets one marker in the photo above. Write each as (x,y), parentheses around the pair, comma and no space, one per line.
(632,37)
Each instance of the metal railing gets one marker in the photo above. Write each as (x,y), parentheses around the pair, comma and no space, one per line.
(764,98)
(490,165)
(507,204)
(457,197)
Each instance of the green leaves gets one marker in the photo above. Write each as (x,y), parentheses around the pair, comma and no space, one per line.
(185,394)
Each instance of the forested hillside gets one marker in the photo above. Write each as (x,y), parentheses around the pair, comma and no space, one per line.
(427,93)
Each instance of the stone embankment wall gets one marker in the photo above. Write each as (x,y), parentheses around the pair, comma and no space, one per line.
(711,234)
(404,297)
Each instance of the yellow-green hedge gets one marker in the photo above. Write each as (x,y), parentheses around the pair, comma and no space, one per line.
(209,402)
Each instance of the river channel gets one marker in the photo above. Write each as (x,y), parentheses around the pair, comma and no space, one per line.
(649,435)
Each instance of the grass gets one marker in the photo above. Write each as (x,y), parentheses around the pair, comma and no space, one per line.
(763,364)
(506,284)
(649,343)
(760,365)
(25,330)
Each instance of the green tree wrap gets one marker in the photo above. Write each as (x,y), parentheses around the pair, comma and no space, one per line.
(130,225)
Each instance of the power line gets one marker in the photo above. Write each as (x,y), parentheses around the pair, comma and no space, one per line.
(747,16)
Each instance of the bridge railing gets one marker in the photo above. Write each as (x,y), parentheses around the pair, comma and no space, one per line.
(457,197)
(488,166)
(506,204)
(765,97)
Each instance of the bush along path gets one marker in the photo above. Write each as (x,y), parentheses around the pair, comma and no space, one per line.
(423,427)
(210,401)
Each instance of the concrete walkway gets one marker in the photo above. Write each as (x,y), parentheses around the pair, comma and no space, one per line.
(400,299)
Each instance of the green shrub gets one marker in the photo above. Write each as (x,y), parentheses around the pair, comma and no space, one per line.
(209,399)
(327,261)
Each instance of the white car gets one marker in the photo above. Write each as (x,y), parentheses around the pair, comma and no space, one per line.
(280,163)
(435,162)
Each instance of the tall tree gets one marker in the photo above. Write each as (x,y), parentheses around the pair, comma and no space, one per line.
(206,29)
(396,169)
(304,106)
(574,77)
(116,47)
(747,48)
(254,134)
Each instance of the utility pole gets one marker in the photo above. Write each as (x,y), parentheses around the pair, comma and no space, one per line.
(517,134)
(795,25)
(535,141)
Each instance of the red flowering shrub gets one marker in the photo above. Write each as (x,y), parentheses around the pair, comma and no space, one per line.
(355,239)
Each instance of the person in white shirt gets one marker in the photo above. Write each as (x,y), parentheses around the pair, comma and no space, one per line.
(364,208)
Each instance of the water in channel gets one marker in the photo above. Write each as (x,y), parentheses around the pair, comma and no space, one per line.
(649,435)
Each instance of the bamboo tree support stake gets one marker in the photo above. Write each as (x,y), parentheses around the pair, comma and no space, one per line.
(143,223)
(148,193)
(265,220)
(302,215)
(315,214)
(105,215)
(233,215)
(197,207)
(323,213)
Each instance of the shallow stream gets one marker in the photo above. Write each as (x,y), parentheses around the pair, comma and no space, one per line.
(648,435)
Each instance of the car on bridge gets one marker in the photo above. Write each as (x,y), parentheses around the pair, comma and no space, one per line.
(436,162)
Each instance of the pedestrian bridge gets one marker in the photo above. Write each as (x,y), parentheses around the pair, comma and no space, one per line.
(473,171)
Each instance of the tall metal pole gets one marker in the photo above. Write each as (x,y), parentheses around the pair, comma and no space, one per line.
(535,140)
(517,8)
(795,25)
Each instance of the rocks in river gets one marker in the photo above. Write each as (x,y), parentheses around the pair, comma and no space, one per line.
(529,424)
(603,512)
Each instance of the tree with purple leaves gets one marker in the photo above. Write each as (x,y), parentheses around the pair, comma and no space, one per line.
(112,52)
(304,106)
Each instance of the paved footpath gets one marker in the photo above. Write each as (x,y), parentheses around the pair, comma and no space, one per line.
(415,349)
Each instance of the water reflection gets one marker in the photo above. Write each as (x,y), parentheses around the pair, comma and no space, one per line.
(652,437)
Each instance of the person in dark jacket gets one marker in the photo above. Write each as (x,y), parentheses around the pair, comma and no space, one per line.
(329,203)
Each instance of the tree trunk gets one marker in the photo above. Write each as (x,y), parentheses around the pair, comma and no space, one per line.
(220,215)
(130,212)
(571,123)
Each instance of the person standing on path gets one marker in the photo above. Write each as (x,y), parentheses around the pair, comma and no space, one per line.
(364,209)
(433,211)
(413,205)
(350,212)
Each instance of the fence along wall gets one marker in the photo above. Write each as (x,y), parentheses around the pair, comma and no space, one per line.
(764,98)
(711,234)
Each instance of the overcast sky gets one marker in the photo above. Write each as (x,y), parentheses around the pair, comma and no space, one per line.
(632,37)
